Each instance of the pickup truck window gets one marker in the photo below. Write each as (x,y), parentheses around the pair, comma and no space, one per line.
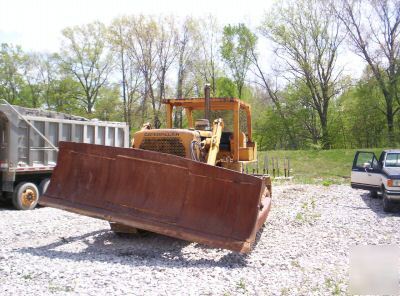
(392,160)
(366,157)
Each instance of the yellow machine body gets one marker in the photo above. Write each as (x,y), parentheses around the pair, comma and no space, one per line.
(215,146)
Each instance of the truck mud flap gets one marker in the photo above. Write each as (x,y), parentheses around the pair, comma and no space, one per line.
(161,193)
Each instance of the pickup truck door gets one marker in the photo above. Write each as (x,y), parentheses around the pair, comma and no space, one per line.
(366,173)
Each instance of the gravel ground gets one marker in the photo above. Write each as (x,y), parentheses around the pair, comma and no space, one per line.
(302,250)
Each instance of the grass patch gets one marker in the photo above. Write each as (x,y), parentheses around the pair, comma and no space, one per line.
(285,291)
(325,167)
(53,288)
(307,213)
(28,276)
(241,285)
(333,286)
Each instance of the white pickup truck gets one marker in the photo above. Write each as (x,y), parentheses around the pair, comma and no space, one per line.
(379,176)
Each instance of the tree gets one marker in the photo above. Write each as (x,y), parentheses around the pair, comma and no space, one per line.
(12,60)
(187,47)
(226,88)
(152,47)
(39,72)
(373,30)
(131,80)
(207,63)
(271,93)
(109,106)
(167,44)
(48,71)
(358,110)
(62,97)
(307,38)
(237,44)
(143,50)
(85,56)
(299,107)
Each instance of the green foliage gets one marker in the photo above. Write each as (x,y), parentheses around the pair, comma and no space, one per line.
(225,88)
(327,183)
(268,131)
(359,119)
(306,37)
(108,106)
(299,117)
(12,82)
(237,44)
(85,57)
(356,119)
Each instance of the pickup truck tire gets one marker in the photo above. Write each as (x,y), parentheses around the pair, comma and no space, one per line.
(373,193)
(387,203)
(26,196)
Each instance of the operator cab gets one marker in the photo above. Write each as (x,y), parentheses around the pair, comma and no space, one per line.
(236,138)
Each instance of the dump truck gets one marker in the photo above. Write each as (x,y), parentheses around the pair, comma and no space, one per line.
(184,183)
(29,146)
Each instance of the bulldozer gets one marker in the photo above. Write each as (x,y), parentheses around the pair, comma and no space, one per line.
(185,183)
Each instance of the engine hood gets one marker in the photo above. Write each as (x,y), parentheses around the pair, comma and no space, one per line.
(392,173)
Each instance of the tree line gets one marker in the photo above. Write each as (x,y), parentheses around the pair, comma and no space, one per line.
(291,69)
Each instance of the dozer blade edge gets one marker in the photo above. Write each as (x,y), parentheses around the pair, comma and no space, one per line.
(161,193)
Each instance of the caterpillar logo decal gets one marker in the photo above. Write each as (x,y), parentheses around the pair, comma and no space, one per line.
(155,134)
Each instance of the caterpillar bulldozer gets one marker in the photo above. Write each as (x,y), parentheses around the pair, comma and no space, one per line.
(184,183)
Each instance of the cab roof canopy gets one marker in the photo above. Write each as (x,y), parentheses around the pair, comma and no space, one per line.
(216,103)
(190,105)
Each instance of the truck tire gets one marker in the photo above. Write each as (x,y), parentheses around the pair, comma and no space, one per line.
(387,203)
(373,193)
(43,186)
(26,196)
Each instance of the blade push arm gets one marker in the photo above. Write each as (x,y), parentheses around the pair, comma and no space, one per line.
(218,126)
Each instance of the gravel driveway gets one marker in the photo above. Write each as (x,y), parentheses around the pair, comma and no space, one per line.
(302,250)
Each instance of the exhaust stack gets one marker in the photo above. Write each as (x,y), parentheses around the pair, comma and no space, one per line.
(207,107)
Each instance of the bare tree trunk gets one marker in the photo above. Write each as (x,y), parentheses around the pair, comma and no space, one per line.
(179,91)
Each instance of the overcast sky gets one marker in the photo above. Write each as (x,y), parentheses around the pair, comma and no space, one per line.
(36,24)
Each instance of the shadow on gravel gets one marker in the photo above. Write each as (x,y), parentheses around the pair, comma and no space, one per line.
(233,259)
(375,204)
(5,206)
(145,249)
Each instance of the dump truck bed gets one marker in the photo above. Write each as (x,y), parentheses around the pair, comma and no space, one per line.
(161,193)
(29,140)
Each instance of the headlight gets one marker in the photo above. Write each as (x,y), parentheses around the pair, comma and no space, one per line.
(393,183)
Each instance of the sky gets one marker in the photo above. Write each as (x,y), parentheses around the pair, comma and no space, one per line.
(36,25)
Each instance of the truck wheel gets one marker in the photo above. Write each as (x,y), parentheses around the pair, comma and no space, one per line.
(373,193)
(43,186)
(387,203)
(26,196)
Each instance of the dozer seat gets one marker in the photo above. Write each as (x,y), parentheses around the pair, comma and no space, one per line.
(225,142)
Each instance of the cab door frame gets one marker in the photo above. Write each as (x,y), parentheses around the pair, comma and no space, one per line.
(363,176)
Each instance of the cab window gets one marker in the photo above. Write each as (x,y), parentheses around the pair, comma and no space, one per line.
(366,157)
(392,160)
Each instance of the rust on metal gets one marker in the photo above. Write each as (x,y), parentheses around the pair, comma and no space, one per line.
(161,193)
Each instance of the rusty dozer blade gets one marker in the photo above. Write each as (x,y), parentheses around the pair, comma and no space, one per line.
(161,193)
